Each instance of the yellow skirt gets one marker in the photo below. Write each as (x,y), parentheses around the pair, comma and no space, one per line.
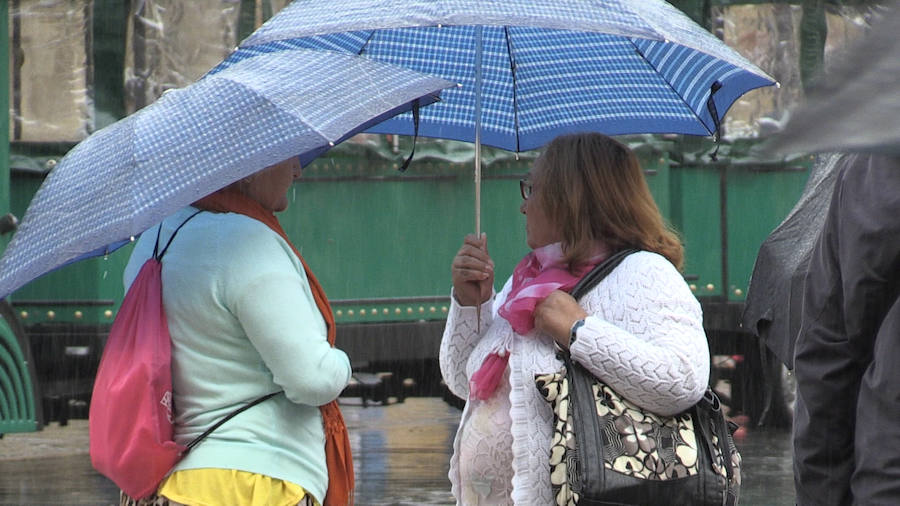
(215,487)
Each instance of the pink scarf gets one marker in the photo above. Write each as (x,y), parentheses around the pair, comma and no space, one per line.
(538,274)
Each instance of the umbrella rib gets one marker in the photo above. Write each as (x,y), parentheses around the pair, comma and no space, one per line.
(362,48)
(512,69)
(669,84)
(316,130)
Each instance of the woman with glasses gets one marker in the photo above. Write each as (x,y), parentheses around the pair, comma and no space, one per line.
(639,330)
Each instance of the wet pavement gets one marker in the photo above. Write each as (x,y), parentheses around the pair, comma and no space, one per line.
(401,453)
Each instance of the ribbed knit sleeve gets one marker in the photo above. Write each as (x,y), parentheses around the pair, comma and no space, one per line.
(644,336)
(461,334)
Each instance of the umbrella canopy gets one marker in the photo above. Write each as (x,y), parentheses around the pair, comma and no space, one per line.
(530,69)
(772,308)
(534,68)
(857,107)
(192,141)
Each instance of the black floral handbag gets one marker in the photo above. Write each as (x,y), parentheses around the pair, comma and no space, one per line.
(608,451)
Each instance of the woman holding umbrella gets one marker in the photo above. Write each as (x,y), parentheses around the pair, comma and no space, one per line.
(639,330)
(248,318)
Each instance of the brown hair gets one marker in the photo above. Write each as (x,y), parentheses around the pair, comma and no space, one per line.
(593,188)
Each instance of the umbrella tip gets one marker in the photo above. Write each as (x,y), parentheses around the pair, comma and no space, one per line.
(330,143)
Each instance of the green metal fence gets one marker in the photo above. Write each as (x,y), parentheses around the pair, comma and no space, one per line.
(18,400)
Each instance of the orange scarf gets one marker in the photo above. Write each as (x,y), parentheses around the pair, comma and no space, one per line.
(337,443)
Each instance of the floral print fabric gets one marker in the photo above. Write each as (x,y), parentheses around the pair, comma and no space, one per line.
(636,443)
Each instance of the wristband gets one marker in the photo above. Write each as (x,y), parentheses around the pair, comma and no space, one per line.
(573,332)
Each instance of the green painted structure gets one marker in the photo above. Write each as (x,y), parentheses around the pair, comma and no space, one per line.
(19,406)
(381,243)
(20,410)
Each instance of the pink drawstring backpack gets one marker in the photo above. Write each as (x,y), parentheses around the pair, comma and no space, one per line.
(131,419)
(131,416)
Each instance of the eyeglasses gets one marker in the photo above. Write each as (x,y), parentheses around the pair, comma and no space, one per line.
(525,187)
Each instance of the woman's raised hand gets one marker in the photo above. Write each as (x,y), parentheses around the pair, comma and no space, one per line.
(472,271)
(555,315)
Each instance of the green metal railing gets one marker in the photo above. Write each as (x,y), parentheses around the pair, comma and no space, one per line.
(19,411)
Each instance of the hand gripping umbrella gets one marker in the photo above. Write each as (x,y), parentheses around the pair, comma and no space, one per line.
(192,141)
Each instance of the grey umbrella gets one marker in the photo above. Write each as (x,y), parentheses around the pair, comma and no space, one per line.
(857,106)
(772,308)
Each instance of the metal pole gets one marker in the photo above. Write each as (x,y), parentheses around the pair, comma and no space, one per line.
(257,14)
(4,106)
(723,227)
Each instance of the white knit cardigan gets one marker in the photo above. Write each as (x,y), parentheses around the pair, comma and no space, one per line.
(644,337)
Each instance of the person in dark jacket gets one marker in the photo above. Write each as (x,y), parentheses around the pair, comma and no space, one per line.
(847,358)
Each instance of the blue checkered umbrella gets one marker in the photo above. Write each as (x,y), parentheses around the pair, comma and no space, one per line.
(531,69)
(192,141)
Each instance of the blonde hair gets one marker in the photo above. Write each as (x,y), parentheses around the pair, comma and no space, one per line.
(593,188)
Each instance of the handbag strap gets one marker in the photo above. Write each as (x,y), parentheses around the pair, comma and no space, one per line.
(712,407)
(227,417)
(599,272)
(580,379)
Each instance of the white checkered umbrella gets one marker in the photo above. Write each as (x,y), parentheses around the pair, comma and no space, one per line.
(531,69)
(193,141)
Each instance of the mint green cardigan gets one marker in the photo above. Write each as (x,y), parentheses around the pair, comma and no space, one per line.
(244,323)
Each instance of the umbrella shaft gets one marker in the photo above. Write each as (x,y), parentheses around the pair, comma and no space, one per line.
(477,188)
(478,52)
